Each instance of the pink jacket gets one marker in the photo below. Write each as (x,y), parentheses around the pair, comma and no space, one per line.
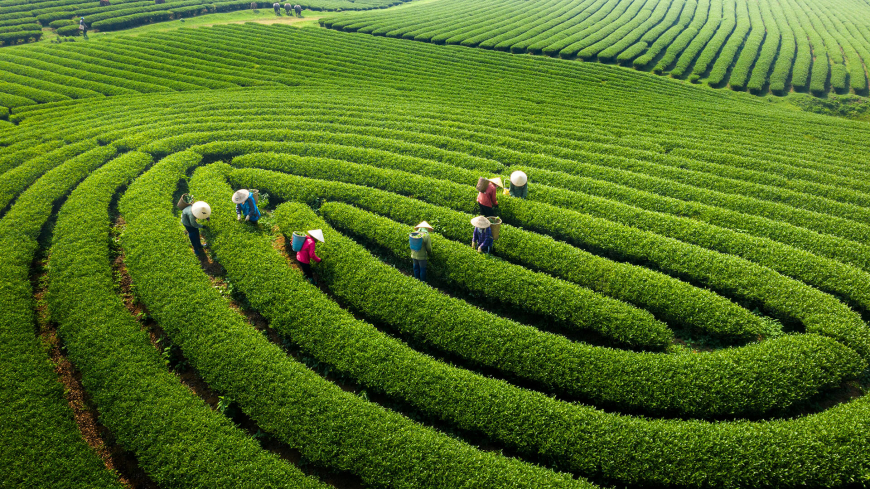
(308,251)
(488,198)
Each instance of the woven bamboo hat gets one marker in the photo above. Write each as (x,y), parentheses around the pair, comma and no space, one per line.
(317,234)
(497,182)
(424,224)
(480,222)
(519,178)
(240,196)
(201,210)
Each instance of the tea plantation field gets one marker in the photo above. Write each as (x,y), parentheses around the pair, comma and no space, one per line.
(681,301)
(25,20)
(805,45)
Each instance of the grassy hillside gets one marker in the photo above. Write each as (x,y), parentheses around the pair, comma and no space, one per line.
(680,301)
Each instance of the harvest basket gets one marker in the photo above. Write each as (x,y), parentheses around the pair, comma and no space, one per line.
(482,184)
(297,241)
(495,225)
(183,201)
(415,240)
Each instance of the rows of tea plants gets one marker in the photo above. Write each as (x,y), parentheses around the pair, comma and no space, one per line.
(680,300)
(719,42)
(23,21)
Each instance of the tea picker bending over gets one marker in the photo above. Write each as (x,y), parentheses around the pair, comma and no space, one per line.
(246,206)
(519,185)
(482,237)
(189,215)
(486,196)
(421,246)
(309,252)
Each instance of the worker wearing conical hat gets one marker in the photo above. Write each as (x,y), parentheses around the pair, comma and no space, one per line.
(189,215)
(486,198)
(482,237)
(246,206)
(309,252)
(519,185)
(420,258)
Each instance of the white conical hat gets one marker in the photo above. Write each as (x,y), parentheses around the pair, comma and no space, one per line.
(201,210)
(480,222)
(424,224)
(519,178)
(317,234)
(240,196)
(497,181)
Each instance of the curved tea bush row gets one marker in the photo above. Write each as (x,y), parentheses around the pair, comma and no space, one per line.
(709,35)
(639,382)
(680,305)
(174,435)
(778,294)
(783,297)
(287,400)
(42,445)
(651,444)
(848,252)
(825,274)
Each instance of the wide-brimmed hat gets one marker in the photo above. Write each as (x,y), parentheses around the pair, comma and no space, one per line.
(519,178)
(497,182)
(480,222)
(240,196)
(317,234)
(424,224)
(201,210)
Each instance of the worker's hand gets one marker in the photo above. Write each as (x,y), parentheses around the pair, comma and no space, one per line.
(247,218)
(474,244)
(480,249)
(238,217)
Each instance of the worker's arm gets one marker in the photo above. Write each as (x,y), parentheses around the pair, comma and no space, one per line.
(427,241)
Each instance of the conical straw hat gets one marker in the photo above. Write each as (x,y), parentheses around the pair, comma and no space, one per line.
(497,182)
(519,178)
(424,224)
(480,222)
(317,234)
(241,196)
(201,210)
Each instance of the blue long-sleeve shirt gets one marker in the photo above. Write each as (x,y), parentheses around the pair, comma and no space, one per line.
(483,237)
(248,208)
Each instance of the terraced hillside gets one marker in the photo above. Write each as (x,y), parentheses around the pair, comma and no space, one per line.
(680,301)
(24,20)
(776,45)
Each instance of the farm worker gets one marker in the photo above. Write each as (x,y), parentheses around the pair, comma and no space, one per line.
(487,199)
(519,185)
(298,9)
(83,27)
(308,252)
(288,8)
(482,238)
(277,7)
(246,205)
(189,215)
(421,256)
